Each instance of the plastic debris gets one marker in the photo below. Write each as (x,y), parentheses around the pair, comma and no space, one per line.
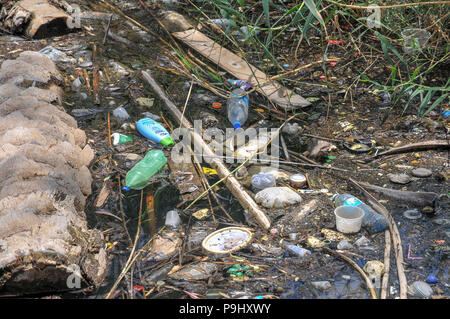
(118,138)
(420,289)
(172,219)
(154,132)
(120,113)
(277,197)
(227,240)
(56,55)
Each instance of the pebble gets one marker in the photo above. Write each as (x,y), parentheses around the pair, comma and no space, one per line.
(321,285)
(399,178)
(344,245)
(421,172)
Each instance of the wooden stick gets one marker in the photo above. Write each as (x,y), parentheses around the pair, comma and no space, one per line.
(387,265)
(369,284)
(421,146)
(395,238)
(230,181)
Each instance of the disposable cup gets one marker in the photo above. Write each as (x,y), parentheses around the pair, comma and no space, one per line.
(348,219)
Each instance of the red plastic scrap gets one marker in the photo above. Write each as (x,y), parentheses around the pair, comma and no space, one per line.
(336,41)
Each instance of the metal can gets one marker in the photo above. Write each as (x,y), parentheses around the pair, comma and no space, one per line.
(297,180)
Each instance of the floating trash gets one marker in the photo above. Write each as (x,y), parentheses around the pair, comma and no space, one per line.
(412,214)
(227,240)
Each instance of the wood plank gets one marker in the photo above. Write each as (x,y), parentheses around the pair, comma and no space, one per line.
(242,70)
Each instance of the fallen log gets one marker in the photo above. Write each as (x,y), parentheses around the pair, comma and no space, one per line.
(420,199)
(45,244)
(421,146)
(230,181)
(227,60)
(35,18)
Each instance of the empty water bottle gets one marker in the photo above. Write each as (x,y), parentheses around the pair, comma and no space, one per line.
(139,175)
(172,219)
(262,180)
(372,221)
(295,250)
(237,108)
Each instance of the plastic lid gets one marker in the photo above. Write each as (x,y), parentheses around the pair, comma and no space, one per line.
(167,141)
(125,188)
(237,125)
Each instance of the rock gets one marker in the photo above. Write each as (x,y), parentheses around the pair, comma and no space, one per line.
(420,289)
(374,270)
(421,172)
(344,245)
(208,119)
(399,178)
(319,149)
(321,285)
(292,129)
(152,116)
(363,241)
(277,197)
(199,271)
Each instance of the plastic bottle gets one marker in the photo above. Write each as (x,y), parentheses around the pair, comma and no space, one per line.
(237,108)
(262,180)
(172,219)
(120,138)
(372,221)
(138,176)
(154,131)
(294,249)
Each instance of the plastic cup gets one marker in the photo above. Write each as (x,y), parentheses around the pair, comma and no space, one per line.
(348,219)
(414,40)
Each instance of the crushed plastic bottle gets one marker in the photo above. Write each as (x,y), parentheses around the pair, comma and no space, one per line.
(372,221)
(121,114)
(262,180)
(237,108)
(138,177)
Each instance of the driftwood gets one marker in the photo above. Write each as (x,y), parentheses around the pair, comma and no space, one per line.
(421,146)
(420,199)
(35,18)
(230,181)
(45,245)
(396,239)
(387,265)
(369,284)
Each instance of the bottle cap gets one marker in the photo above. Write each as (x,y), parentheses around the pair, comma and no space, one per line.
(125,188)
(237,125)
(167,141)
(217,105)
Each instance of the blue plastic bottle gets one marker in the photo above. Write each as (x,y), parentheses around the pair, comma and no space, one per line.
(372,221)
(154,131)
(237,108)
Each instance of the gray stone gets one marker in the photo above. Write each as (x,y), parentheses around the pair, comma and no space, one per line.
(421,172)
(420,289)
(321,285)
(399,178)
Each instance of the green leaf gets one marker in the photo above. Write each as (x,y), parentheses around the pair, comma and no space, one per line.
(312,7)
(436,103)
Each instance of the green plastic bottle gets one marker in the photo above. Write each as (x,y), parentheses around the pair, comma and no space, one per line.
(138,176)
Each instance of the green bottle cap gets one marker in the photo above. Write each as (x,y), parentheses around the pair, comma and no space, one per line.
(167,141)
